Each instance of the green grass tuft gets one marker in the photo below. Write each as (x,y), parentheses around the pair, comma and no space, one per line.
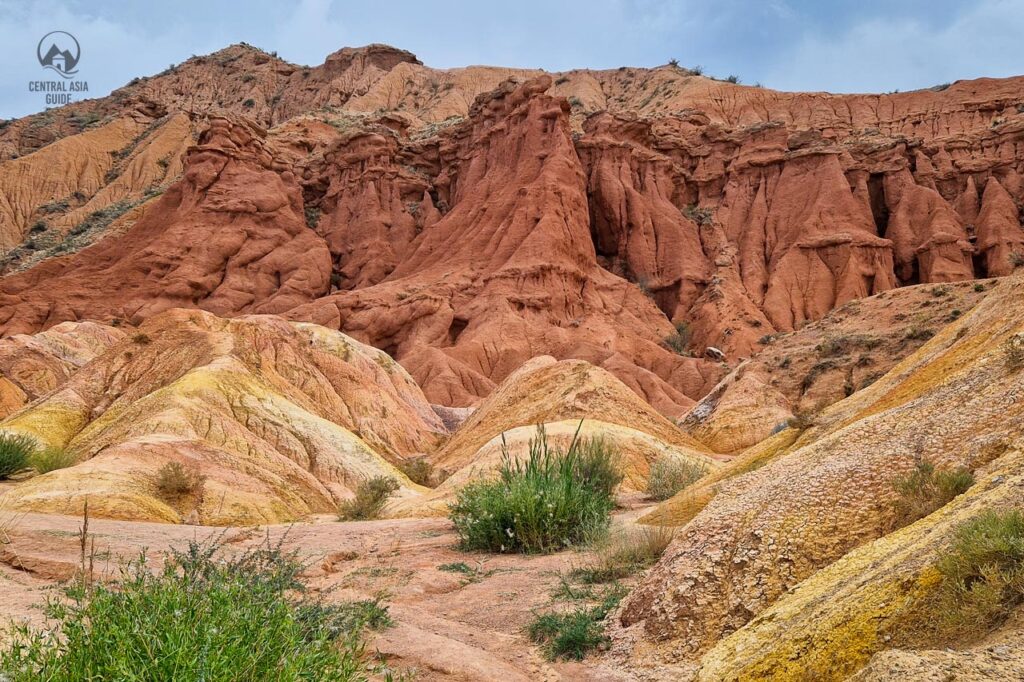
(15,453)
(574,634)
(50,459)
(203,616)
(551,500)
(982,581)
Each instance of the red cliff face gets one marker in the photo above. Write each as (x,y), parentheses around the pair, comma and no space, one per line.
(229,237)
(615,216)
(507,273)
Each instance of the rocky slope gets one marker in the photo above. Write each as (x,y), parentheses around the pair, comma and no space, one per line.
(725,586)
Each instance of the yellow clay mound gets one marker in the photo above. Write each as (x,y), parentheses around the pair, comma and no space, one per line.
(281,419)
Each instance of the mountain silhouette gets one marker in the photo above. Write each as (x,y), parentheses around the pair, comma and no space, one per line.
(69,59)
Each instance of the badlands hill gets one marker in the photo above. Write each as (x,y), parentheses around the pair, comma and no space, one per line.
(296,279)
(446,216)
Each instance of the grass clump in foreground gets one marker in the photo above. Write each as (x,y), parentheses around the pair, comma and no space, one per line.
(551,500)
(202,617)
(371,496)
(624,554)
(926,489)
(669,475)
(982,579)
(573,634)
(15,453)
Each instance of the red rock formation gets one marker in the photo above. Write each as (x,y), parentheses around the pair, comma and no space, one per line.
(1000,239)
(228,238)
(464,247)
(510,271)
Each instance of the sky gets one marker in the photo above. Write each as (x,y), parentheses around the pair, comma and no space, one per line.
(834,45)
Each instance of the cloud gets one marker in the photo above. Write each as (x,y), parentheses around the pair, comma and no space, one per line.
(112,52)
(310,33)
(868,45)
(907,53)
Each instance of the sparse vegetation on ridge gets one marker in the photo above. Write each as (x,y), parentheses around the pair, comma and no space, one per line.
(926,489)
(551,500)
(982,581)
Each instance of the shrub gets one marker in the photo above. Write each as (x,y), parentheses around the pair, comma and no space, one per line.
(982,579)
(249,103)
(312,216)
(141,339)
(50,459)
(418,469)
(919,334)
(926,489)
(174,480)
(1016,259)
(802,419)
(699,215)
(679,341)
(979,287)
(15,453)
(371,495)
(732,79)
(1013,349)
(573,635)
(550,500)
(669,475)
(624,554)
(201,617)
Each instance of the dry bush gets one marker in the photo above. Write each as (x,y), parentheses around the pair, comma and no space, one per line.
(669,475)
(174,480)
(624,554)
(370,498)
(926,489)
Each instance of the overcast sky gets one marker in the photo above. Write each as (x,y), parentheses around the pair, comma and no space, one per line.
(837,45)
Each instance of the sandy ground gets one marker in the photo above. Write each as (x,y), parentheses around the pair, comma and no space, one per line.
(448,626)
